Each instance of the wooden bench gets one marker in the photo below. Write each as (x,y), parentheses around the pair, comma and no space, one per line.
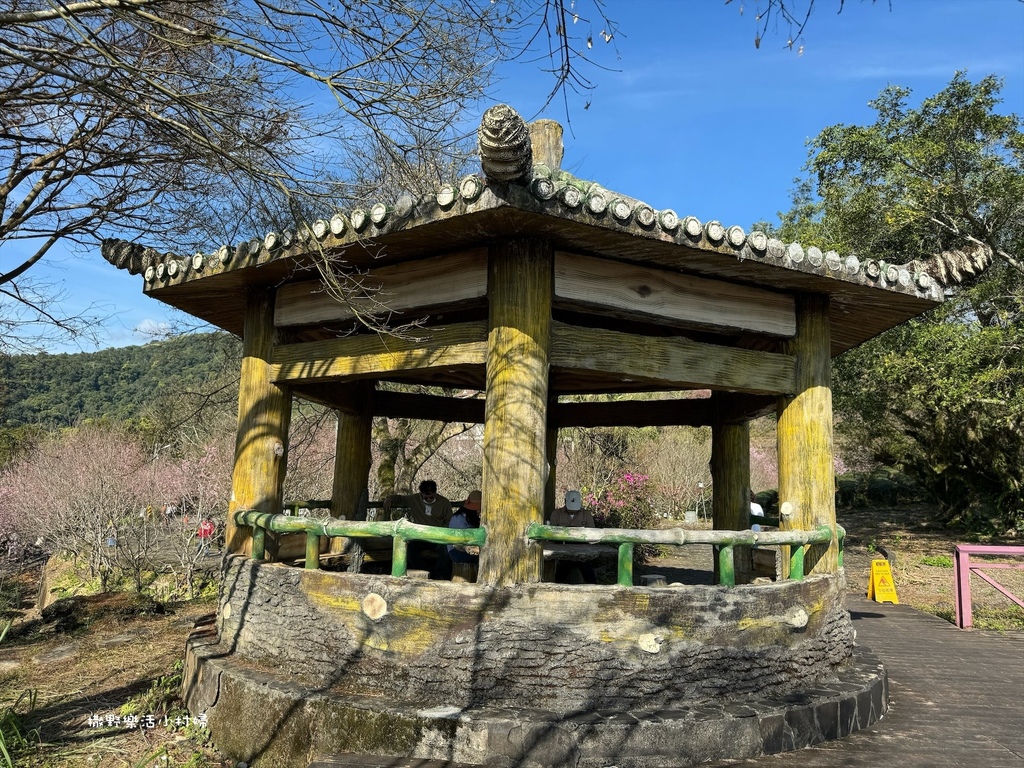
(767,563)
(578,553)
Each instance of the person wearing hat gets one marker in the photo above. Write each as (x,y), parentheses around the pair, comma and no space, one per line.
(573,515)
(427,507)
(466,516)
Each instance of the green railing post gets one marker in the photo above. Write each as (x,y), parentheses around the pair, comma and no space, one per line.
(726,566)
(259,543)
(399,553)
(312,551)
(796,562)
(626,565)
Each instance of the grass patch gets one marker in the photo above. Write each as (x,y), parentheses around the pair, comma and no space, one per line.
(161,698)
(15,738)
(1000,619)
(1010,619)
(937,561)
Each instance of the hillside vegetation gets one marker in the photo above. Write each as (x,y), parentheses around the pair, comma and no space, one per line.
(119,384)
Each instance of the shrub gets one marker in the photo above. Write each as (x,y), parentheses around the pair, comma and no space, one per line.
(85,489)
(628,503)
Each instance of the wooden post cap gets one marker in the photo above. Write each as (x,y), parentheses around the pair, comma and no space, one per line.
(546,139)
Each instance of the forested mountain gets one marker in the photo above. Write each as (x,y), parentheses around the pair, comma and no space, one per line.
(116,384)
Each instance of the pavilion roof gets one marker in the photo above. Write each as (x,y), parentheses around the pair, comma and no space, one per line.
(868,295)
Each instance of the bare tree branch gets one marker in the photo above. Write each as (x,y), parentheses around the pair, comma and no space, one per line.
(127,117)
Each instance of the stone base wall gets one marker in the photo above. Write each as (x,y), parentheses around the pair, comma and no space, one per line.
(543,646)
(270,721)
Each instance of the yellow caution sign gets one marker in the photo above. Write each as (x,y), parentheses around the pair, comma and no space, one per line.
(881,588)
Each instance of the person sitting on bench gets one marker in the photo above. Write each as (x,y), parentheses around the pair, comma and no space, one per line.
(427,507)
(466,516)
(572,515)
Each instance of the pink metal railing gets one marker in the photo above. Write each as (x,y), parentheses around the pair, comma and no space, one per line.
(963,568)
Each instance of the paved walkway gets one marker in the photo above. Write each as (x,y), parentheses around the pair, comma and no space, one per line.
(956,697)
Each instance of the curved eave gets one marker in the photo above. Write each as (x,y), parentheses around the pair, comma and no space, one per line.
(867,297)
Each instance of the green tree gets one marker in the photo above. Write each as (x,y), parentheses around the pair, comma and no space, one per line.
(947,174)
(942,398)
(943,183)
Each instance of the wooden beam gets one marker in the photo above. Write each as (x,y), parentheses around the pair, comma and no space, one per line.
(639,292)
(806,473)
(515,415)
(688,412)
(551,453)
(695,412)
(411,405)
(674,362)
(634,413)
(375,355)
(264,413)
(455,278)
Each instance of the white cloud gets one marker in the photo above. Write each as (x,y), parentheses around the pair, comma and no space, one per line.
(151,330)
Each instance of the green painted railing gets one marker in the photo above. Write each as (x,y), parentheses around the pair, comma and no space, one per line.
(627,539)
(401,531)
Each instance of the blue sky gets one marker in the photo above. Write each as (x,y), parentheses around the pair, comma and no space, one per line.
(693,117)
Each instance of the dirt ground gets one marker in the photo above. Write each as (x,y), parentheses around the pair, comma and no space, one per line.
(920,553)
(117,655)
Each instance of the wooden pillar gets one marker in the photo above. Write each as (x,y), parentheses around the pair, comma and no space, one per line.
(551,452)
(806,478)
(264,413)
(519,289)
(730,485)
(352,458)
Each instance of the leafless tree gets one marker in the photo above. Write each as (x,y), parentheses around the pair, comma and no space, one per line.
(82,493)
(192,122)
(311,448)
(403,446)
(677,460)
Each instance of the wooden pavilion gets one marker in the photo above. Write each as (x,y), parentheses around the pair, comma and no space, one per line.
(536,285)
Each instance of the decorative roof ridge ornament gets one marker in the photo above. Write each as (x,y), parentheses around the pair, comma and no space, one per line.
(958,265)
(130,256)
(506,153)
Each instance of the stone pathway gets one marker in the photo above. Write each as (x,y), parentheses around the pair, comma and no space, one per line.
(956,697)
